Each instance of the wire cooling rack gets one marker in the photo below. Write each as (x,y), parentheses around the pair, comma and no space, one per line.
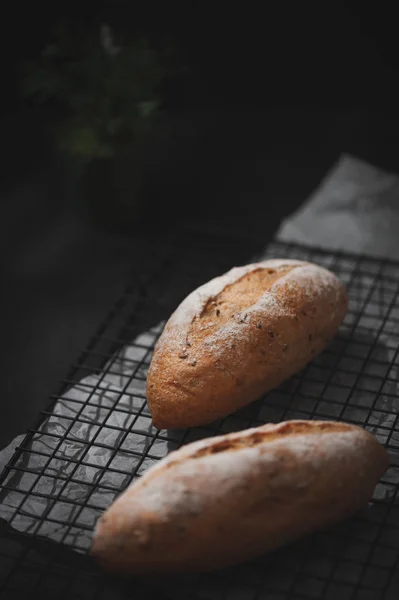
(96,437)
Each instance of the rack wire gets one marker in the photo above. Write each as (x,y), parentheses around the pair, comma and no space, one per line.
(96,436)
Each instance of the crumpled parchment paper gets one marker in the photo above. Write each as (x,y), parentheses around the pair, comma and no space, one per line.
(356,208)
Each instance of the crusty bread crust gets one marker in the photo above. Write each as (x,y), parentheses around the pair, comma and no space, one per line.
(240,335)
(222,500)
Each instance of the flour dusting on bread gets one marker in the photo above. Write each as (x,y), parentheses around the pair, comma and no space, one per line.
(240,335)
(193,306)
(223,500)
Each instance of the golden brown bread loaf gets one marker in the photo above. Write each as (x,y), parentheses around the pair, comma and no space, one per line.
(240,335)
(226,499)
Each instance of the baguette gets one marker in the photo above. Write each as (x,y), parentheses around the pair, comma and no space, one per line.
(239,336)
(223,500)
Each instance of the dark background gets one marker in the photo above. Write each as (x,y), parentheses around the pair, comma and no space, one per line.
(273,97)
(331,54)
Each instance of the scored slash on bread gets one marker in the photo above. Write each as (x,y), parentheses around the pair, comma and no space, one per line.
(240,335)
(223,500)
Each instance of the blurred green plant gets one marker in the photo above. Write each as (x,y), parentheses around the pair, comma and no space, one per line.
(104,87)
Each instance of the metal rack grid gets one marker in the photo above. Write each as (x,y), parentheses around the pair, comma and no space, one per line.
(96,437)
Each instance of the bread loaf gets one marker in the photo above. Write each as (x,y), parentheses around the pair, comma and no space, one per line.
(239,336)
(223,500)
